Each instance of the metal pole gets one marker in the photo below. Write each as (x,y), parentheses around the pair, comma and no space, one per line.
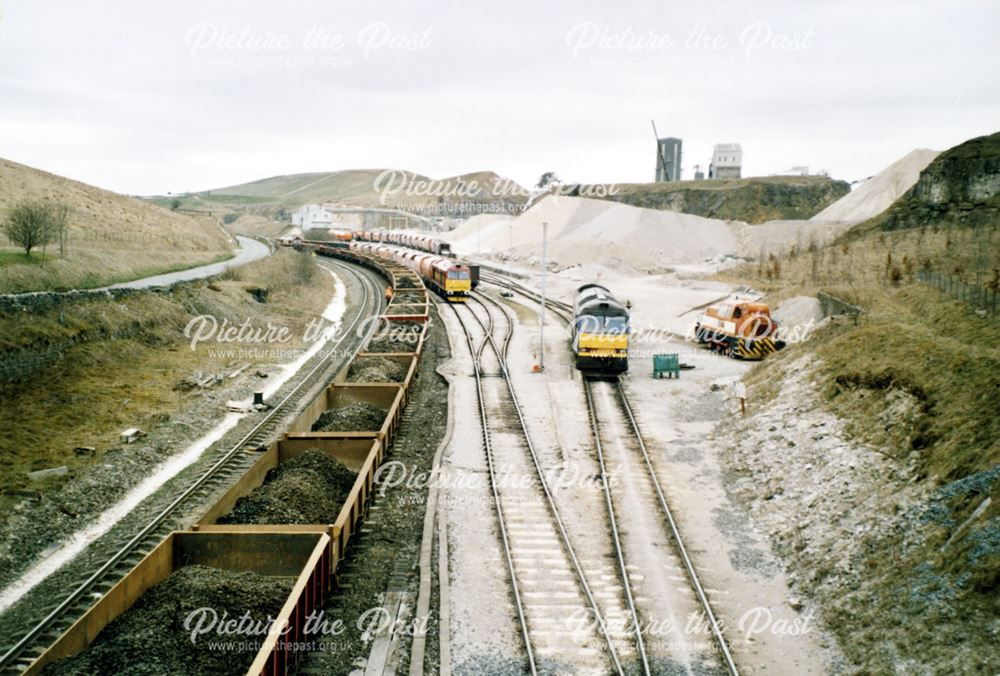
(541,316)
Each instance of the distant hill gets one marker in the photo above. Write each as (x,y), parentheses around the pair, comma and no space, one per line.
(310,188)
(753,200)
(454,196)
(111,237)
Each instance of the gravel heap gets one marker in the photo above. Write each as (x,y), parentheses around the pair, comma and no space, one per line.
(376,370)
(580,232)
(399,336)
(150,637)
(310,488)
(360,417)
(800,311)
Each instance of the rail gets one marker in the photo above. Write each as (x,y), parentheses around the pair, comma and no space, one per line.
(565,311)
(491,467)
(502,357)
(720,639)
(253,438)
(615,537)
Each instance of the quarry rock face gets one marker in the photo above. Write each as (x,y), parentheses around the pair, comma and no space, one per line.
(749,200)
(962,185)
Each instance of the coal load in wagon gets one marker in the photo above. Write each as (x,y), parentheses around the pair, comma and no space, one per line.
(407,283)
(397,309)
(151,638)
(408,297)
(376,370)
(310,488)
(398,336)
(359,417)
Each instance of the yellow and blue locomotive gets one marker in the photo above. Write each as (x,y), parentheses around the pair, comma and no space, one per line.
(600,331)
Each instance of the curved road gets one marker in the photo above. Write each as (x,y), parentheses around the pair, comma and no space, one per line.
(250,250)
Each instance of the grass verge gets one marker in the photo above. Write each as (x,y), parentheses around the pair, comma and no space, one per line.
(11,258)
(99,366)
(917,378)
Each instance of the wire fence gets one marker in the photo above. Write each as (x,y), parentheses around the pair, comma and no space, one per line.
(975,295)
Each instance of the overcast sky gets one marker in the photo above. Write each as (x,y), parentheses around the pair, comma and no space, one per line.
(155,97)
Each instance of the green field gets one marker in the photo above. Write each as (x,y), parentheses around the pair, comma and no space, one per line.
(19,258)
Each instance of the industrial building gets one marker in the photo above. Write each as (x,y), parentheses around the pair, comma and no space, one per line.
(668,159)
(311,216)
(727,161)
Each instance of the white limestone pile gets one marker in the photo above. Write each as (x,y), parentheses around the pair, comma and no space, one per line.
(582,230)
(879,192)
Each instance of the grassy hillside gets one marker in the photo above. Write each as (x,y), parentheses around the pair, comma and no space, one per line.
(74,373)
(753,200)
(917,378)
(296,189)
(111,237)
(88,369)
(277,196)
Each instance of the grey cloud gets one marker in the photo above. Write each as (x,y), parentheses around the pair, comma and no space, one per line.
(490,86)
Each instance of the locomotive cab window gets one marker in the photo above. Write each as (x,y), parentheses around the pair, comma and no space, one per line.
(616,324)
(588,324)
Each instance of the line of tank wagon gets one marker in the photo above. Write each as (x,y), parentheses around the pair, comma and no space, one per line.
(601,326)
(429,257)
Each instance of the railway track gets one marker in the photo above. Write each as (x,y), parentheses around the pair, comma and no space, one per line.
(638,506)
(651,551)
(40,630)
(558,614)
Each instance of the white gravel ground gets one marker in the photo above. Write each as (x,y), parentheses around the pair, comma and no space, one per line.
(556,419)
(678,418)
(482,629)
(819,494)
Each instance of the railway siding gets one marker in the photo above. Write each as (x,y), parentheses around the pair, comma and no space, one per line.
(560,609)
(364,450)
(635,462)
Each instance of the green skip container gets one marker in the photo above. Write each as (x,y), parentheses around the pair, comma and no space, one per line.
(666,364)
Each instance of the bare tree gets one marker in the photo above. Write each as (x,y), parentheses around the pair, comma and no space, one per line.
(34,224)
(60,218)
